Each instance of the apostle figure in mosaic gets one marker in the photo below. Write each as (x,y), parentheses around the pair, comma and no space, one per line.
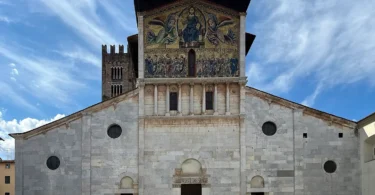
(167,35)
(214,35)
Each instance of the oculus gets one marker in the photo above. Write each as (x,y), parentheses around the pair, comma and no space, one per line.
(53,162)
(330,166)
(114,131)
(269,128)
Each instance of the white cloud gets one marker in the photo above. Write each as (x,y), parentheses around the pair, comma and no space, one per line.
(6,19)
(78,53)
(8,93)
(15,126)
(330,41)
(13,79)
(14,71)
(119,16)
(45,78)
(310,100)
(81,16)
(12,65)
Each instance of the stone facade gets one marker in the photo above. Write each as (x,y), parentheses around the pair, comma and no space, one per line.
(226,150)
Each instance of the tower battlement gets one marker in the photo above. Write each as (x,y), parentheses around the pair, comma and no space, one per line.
(117,72)
(113,49)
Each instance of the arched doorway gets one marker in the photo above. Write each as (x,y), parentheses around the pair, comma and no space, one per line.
(191,61)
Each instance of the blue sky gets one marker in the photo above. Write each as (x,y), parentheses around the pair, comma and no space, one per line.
(319,53)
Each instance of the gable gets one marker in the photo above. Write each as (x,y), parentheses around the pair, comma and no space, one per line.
(131,96)
(329,118)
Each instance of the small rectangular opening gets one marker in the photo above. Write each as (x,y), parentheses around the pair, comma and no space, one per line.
(340,135)
(191,189)
(173,101)
(209,101)
(257,193)
(304,135)
(7,179)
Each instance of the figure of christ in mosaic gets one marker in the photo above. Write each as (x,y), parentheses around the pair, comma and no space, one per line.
(193,27)
(167,35)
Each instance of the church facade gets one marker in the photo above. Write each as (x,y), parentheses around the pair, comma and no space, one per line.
(178,119)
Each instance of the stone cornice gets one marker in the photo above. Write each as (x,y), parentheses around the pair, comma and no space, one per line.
(199,117)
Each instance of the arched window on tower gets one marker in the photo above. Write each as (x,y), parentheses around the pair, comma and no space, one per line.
(191,59)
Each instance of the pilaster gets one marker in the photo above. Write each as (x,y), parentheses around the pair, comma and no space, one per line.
(86,154)
(141,140)
(242,139)
(242,43)
(19,166)
(140,47)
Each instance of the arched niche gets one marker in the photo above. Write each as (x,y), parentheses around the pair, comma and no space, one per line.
(257,182)
(126,183)
(191,63)
(191,171)
(191,167)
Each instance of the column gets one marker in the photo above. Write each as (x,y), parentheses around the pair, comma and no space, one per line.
(227,100)
(155,100)
(204,99)
(242,44)
(215,100)
(167,101)
(191,99)
(179,100)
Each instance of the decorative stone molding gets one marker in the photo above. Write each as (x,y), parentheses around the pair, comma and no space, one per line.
(198,176)
(194,80)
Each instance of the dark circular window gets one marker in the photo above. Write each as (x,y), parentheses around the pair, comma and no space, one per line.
(330,166)
(269,128)
(53,162)
(114,131)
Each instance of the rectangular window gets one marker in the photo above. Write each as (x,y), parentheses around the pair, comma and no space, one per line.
(7,179)
(173,101)
(7,193)
(209,100)
(7,166)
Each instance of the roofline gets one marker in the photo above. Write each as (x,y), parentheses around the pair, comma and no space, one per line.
(362,122)
(7,161)
(308,110)
(66,120)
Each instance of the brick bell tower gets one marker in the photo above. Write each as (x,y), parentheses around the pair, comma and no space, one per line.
(118,75)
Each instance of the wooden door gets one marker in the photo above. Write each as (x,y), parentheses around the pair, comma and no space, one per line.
(191,189)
